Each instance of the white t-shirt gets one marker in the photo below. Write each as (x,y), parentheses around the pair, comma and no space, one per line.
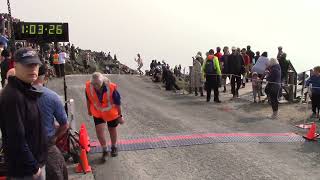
(62,57)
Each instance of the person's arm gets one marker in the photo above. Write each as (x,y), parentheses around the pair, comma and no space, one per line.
(117,101)
(217,65)
(308,82)
(18,150)
(61,117)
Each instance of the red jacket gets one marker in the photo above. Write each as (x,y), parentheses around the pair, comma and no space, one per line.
(246,59)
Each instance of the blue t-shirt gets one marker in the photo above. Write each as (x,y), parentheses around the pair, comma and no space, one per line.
(315,81)
(115,96)
(51,109)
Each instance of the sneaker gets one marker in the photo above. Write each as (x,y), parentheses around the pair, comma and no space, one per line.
(217,101)
(114,151)
(104,156)
(274,115)
(313,115)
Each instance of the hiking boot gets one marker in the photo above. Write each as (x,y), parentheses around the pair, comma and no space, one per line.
(114,151)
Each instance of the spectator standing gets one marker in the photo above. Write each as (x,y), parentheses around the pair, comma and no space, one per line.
(52,109)
(235,68)
(247,66)
(284,64)
(62,61)
(280,52)
(24,139)
(256,57)
(73,53)
(200,58)
(56,63)
(315,92)
(273,87)
(218,54)
(196,78)
(5,63)
(212,73)
(250,53)
(224,67)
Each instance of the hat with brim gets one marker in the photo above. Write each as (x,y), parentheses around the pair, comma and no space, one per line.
(27,56)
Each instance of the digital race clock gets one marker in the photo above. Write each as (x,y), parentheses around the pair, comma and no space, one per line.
(42,32)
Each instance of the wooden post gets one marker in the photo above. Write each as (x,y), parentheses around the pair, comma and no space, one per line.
(291,83)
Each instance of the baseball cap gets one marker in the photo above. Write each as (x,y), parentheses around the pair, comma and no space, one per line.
(27,56)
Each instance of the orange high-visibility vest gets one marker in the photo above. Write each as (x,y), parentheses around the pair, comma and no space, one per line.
(55,58)
(107,109)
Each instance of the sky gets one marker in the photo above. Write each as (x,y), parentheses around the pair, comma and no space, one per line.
(175,30)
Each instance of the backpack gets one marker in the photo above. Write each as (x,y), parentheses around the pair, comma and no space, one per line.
(210,67)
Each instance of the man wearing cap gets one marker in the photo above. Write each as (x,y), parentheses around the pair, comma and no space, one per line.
(52,109)
(24,140)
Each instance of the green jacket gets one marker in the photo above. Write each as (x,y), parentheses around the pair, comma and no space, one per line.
(216,65)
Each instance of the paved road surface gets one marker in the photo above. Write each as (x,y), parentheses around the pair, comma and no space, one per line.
(148,110)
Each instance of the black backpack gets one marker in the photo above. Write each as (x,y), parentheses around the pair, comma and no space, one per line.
(210,67)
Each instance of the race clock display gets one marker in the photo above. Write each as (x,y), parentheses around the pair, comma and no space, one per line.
(42,32)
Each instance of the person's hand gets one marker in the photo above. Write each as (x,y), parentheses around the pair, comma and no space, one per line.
(121,120)
(37,175)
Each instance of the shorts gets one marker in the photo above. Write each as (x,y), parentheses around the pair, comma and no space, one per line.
(111,124)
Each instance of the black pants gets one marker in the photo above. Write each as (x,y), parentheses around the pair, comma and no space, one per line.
(212,82)
(56,168)
(61,66)
(57,70)
(235,79)
(315,99)
(3,78)
(272,91)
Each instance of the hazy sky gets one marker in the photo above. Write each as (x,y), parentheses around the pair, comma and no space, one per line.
(174,30)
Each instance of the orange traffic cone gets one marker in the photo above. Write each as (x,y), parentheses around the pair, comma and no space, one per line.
(86,132)
(83,138)
(84,161)
(311,135)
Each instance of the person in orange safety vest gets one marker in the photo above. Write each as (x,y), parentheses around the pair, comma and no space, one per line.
(103,103)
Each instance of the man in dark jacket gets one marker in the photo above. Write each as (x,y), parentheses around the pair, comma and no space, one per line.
(250,53)
(24,140)
(284,64)
(235,68)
